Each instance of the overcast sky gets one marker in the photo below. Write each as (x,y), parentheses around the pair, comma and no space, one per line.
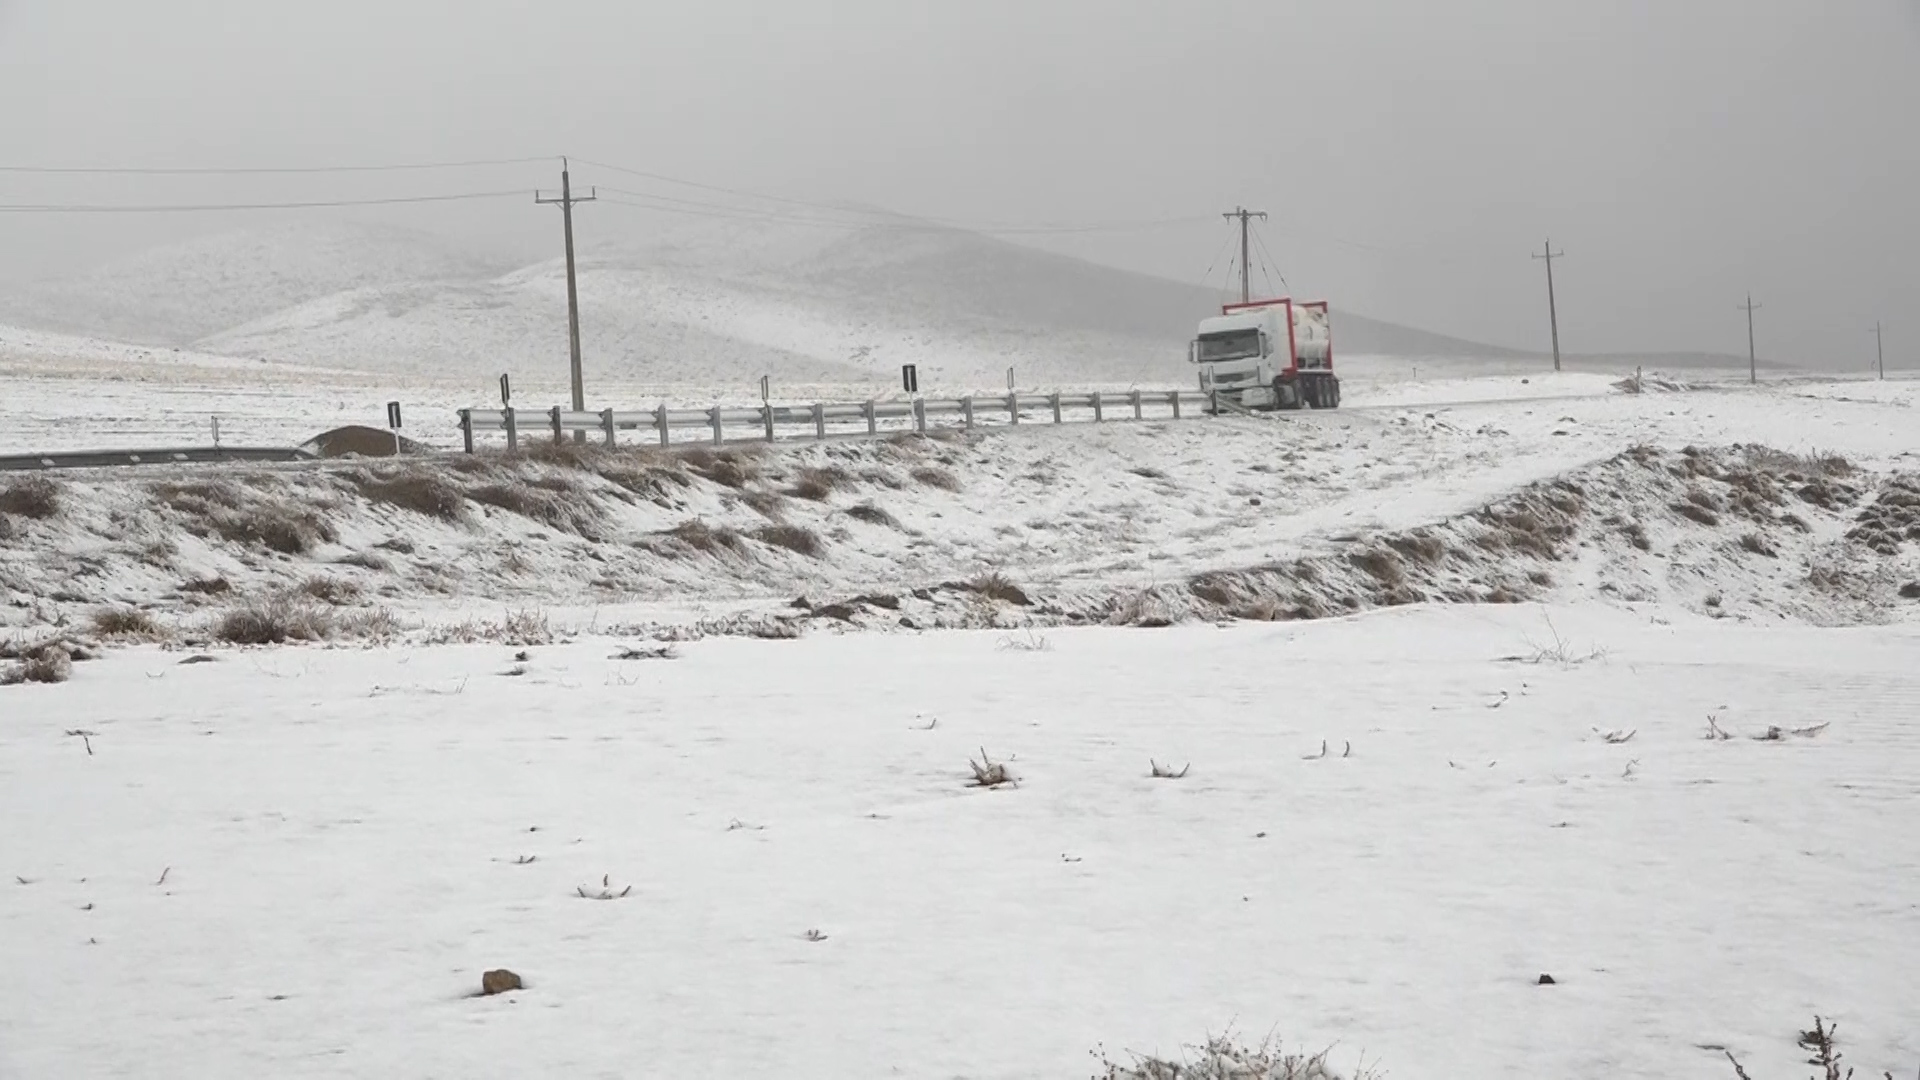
(1411,152)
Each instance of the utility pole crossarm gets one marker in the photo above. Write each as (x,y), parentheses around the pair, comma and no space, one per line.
(1553,305)
(566,202)
(1246,217)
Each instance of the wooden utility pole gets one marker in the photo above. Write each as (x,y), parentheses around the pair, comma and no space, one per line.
(1753,365)
(1553,306)
(1246,217)
(565,202)
(1880,349)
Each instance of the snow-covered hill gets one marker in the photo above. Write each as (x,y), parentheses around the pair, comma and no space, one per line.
(180,293)
(710,303)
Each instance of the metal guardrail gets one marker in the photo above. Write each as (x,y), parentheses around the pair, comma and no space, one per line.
(824,418)
(96,459)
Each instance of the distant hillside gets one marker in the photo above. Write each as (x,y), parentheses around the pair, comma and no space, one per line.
(708,303)
(178,294)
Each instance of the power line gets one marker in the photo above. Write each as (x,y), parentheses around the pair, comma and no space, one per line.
(1266,256)
(877,220)
(195,208)
(76,170)
(1002,228)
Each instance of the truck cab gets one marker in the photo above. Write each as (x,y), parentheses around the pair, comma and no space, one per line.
(1268,354)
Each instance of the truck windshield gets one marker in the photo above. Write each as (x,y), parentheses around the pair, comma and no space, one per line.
(1229,345)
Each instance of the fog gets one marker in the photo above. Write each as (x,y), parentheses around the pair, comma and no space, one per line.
(1412,154)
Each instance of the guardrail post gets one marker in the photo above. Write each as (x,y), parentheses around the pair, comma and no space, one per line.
(1136,404)
(1099,412)
(660,421)
(819,420)
(920,415)
(1174,397)
(714,414)
(873,423)
(966,410)
(1213,402)
(513,429)
(766,414)
(466,428)
(606,425)
(553,415)
(1054,400)
(1013,407)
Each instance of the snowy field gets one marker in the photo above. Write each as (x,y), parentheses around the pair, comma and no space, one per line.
(298,863)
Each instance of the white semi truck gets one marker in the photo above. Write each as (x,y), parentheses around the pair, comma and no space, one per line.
(1269,354)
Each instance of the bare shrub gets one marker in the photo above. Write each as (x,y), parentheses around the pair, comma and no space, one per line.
(126,623)
(1820,1042)
(988,773)
(275,621)
(935,477)
(36,498)
(328,590)
(795,538)
(52,664)
(872,515)
(816,484)
(1032,641)
(1555,650)
(1223,1058)
(417,490)
(995,586)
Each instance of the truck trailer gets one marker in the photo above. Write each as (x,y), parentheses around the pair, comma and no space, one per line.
(1268,355)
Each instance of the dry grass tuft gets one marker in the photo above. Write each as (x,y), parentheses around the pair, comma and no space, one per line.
(126,623)
(328,590)
(873,515)
(36,498)
(549,501)
(417,490)
(728,468)
(1223,1058)
(935,477)
(1758,545)
(995,586)
(817,484)
(275,621)
(48,666)
(795,538)
(270,519)
(1383,565)
(213,586)
(697,535)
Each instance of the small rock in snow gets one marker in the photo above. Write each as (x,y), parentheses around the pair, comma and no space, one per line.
(1547,980)
(499,981)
